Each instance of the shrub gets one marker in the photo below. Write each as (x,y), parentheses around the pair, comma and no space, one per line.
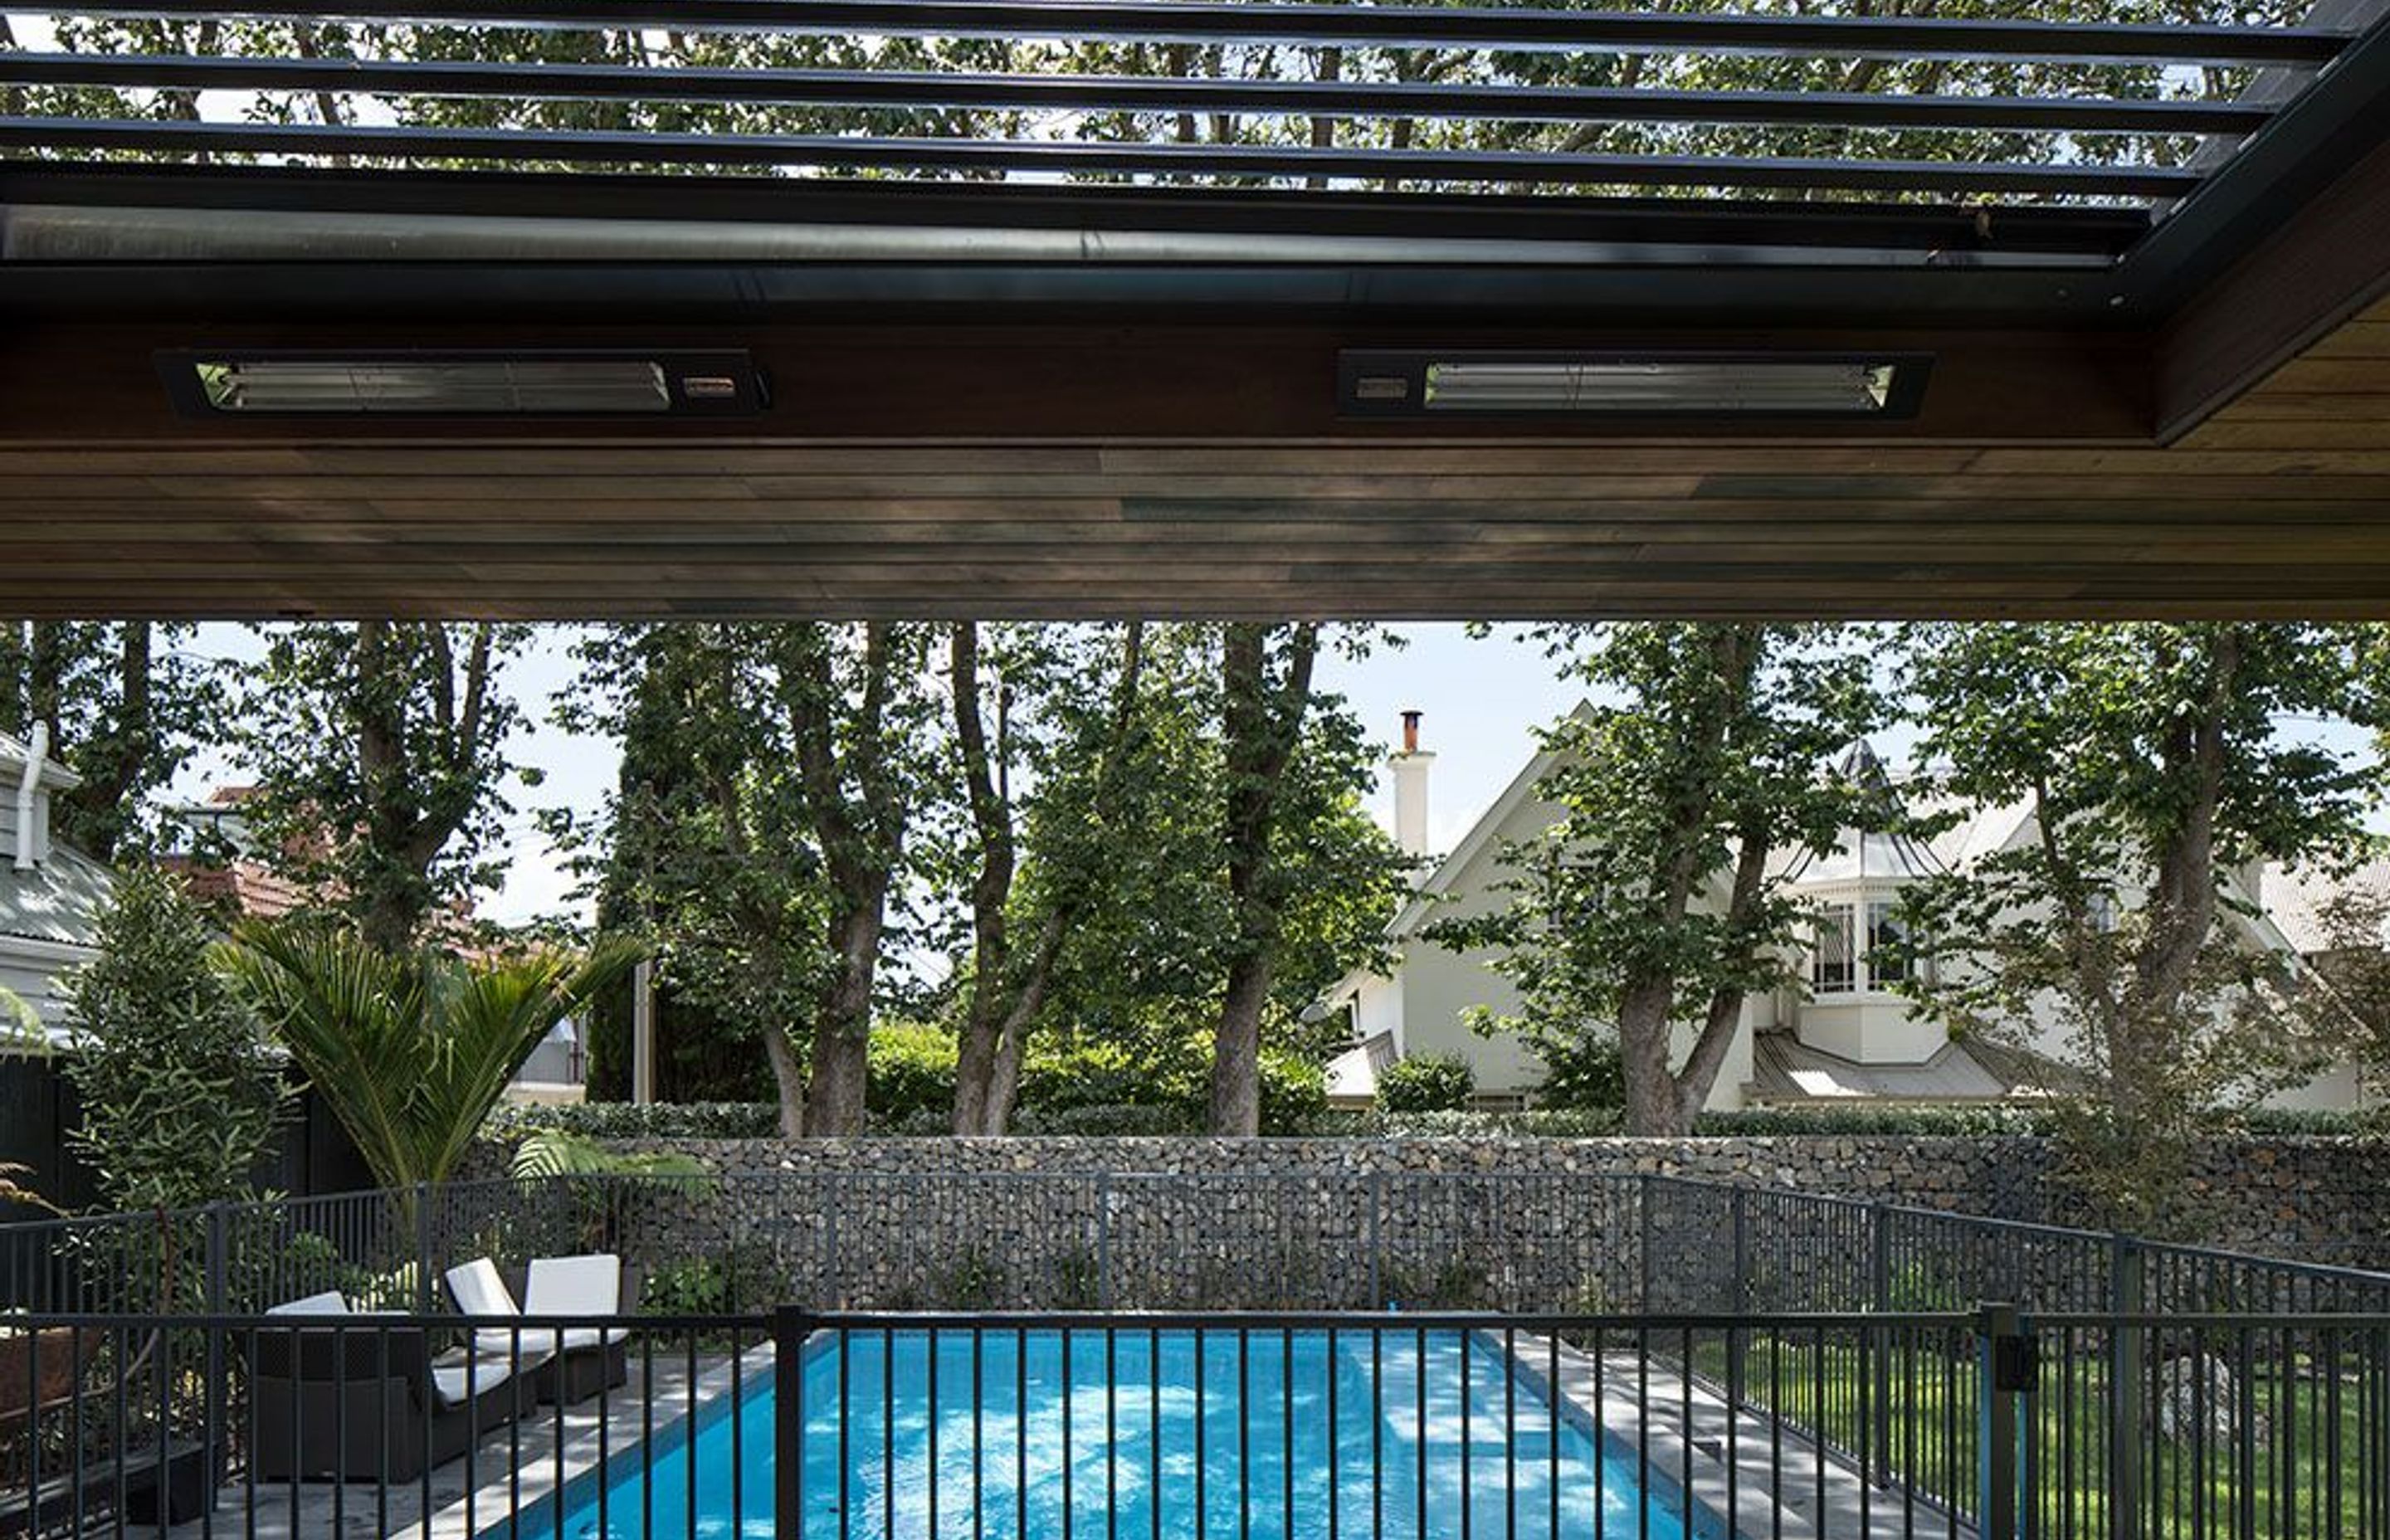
(623,1120)
(1583,1074)
(1294,1093)
(910,1076)
(411,1052)
(1440,1083)
(1112,1120)
(179,1097)
(553,1152)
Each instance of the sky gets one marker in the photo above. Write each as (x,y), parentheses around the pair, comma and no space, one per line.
(1482,701)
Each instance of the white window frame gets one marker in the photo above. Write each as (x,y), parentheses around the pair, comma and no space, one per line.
(1833,918)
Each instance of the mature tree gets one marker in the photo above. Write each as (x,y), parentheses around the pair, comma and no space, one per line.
(1265,688)
(1150,966)
(2157,762)
(702,849)
(847,707)
(760,831)
(1082,692)
(2351,964)
(125,706)
(1651,904)
(379,750)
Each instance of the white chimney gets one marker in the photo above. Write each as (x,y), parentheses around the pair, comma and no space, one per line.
(1410,768)
(29,807)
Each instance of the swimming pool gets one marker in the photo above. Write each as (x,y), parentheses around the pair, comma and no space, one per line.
(994,1436)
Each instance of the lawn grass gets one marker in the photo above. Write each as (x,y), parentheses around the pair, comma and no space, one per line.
(1918,1392)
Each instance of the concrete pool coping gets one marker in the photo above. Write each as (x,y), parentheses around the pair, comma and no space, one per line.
(333,1510)
(485,1512)
(1602,1402)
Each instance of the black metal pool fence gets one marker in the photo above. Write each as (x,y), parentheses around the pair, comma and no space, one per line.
(1348,1425)
(1383,1358)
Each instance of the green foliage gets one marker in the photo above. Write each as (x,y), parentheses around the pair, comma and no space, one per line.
(1656,899)
(740,1278)
(2158,764)
(1110,1120)
(1443,1082)
(380,749)
(20,1028)
(1582,1073)
(622,1120)
(127,705)
(411,1052)
(179,1097)
(1450,1282)
(912,1074)
(772,775)
(555,1153)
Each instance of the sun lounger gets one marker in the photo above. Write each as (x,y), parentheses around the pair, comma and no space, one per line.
(348,1398)
(588,1358)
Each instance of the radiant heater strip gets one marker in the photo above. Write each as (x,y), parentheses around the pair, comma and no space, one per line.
(1689,385)
(460,384)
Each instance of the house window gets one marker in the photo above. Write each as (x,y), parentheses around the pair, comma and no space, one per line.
(1833,965)
(2101,912)
(1887,937)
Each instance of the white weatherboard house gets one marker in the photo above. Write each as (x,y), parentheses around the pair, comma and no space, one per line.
(1846,1039)
(50,893)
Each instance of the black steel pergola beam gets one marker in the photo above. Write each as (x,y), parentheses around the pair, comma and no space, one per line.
(1330,24)
(777,151)
(900,89)
(2319,134)
(2088,232)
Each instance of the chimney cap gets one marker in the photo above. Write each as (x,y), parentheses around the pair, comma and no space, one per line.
(1410,731)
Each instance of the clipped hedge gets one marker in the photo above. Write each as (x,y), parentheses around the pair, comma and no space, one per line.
(1294,1114)
(622,1120)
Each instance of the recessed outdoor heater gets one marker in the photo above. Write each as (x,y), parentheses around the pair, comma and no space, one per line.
(1675,385)
(462,384)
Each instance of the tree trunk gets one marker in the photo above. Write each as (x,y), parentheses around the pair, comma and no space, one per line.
(1002,1011)
(1646,1014)
(1264,724)
(841,1058)
(388,913)
(862,838)
(984,1013)
(787,1079)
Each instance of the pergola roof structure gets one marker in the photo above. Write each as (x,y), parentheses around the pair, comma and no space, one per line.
(1048,340)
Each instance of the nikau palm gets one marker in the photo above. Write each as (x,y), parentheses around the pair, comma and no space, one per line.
(410,1051)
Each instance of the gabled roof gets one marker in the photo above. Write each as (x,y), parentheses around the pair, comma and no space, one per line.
(1480,835)
(1877,852)
(1785,1069)
(57,902)
(13,753)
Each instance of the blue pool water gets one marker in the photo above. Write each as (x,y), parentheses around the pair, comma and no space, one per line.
(1022,1447)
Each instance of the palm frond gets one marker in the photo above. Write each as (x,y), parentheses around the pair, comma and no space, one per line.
(410,1053)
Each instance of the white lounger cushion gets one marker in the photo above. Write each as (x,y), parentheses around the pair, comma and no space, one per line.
(331,1302)
(458,1379)
(583,1286)
(574,1286)
(477,1289)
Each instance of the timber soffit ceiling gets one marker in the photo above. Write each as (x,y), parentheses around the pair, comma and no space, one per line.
(1074,235)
